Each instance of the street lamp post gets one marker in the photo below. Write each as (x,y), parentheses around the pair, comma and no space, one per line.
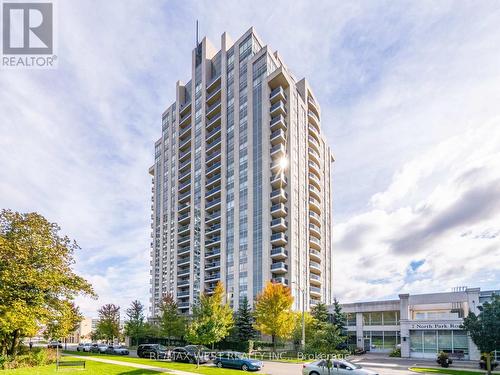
(302,291)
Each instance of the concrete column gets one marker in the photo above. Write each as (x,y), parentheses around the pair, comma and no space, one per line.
(359,331)
(404,311)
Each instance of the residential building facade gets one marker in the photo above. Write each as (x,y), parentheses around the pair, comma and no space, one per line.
(241,183)
(421,325)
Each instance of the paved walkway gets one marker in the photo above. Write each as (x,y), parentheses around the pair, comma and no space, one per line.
(131,364)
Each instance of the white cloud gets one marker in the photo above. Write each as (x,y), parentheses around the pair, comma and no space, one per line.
(443,207)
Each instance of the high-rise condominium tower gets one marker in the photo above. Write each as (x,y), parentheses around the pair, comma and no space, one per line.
(241,181)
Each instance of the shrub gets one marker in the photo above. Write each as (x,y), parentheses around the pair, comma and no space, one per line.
(37,357)
(395,353)
(443,360)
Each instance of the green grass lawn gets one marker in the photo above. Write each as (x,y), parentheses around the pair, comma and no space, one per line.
(91,368)
(208,369)
(446,371)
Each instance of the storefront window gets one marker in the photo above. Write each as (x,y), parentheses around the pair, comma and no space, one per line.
(415,341)
(366,319)
(377,340)
(390,339)
(390,318)
(445,340)
(460,342)
(430,343)
(376,319)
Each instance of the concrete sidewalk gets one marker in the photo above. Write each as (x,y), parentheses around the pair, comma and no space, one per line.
(131,364)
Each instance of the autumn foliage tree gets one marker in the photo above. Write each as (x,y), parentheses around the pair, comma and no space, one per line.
(37,283)
(273,312)
(108,326)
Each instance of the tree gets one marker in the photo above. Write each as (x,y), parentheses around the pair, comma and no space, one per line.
(273,314)
(244,322)
(134,327)
(64,321)
(484,328)
(35,276)
(212,319)
(108,326)
(310,324)
(172,323)
(320,313)
(339,319)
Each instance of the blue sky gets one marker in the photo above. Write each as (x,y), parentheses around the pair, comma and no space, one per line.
(409,93)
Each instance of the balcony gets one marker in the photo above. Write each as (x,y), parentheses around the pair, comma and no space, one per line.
(212,265)
(278,136)
(213,168)
(212,133)
(213,109)
(183,250)
(184,144)
(184,197)
(211,193)
(279,253)
(213,121)
(313,118)
(313,104)
(279,239)
(213,204)
(314,155)
(314,168)
(184,107)
(212,229)
(213,179)
(315,291)
(279,196)
(183,261)
(212,277)
(279,267)
(315,255)
(184,132)
(183,305)
(313,132)
(315,267)
(183,294)
(315,205)
(183,119)
(314,279)
(212,253)
(183,155)
(279,210)
(313,178)
(212,241)
(214,95)
(314,242)
(277,108)
(213,217)
(183,272)
(213,156)
(213,83)
(183,240)
(183,229)
(278,180)
(279,225)
(182,283)
(278,151)
(280,280)
(183,208)
(184,164)
(314,218)
(277,94)
(213,144)
(313,143)
(184,175)
(184,218)
(278,122)
(315,230)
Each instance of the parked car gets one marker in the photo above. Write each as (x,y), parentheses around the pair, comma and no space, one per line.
(54,345)
(83,347)
(98,348)
(119,350)
(184,355)
(205,352)
(153,351)
(337,367)
(237,360)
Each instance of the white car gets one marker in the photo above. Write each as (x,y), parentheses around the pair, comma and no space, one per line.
(337,368)
(83,347)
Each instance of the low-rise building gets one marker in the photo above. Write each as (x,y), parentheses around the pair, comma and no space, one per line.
(421,325)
